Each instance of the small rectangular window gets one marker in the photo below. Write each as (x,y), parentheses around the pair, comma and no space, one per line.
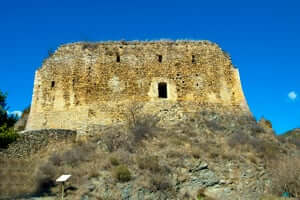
(52,84)
(160,58)
(193,59)
(118,59)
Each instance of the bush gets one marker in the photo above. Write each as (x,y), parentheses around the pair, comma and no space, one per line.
(115,139)
(144,128)
(89,45)
(122,173)
(7,136)
(56,159)
(202,196)
(77,154)
(114,161)
(176,154)
(196,152)
(238,139)
(149,162)
(141,126)
(46,178)
(159,183)
(266,149)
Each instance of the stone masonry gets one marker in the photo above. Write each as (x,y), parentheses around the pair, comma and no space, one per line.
(83,84)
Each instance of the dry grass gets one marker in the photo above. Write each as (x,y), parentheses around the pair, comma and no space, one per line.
(286,176)
(16,179)
(159,183)
(202,196)
(272,197)
(263,149)
(150,163)
(142,153)
(36,175)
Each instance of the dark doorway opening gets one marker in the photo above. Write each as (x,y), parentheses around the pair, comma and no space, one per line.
(162,90)
(52,84)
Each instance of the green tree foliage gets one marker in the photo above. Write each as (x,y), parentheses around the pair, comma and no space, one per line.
(7,134)
(9,120)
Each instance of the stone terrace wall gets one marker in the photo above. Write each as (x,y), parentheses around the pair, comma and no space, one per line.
(31,142)
(95,83)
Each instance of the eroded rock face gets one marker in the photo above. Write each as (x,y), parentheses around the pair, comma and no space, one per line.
(86,83)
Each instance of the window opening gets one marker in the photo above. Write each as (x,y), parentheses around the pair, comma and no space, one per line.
(118,59)
(162,90)
(160,58)
(52,84)
(193,59)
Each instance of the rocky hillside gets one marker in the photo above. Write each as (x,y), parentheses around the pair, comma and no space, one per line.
(207,156)
(292,137)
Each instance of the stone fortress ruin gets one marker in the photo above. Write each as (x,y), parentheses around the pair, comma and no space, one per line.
(95,83)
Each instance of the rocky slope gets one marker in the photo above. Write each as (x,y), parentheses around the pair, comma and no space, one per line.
(208,156)
(292,137)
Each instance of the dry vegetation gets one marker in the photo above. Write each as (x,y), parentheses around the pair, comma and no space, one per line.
(149,155)
(286,176)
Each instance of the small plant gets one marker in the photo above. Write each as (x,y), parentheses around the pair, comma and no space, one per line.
(50,52)
(149,162)
(202,196)
(142,127)
(89,45)
(196,152)
(238,139)
(114,161)
(46,177)
(56,159)
(79,153)
(159,183)
(122,173)
(175,154)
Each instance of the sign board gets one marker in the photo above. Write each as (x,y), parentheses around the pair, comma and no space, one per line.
(63,178)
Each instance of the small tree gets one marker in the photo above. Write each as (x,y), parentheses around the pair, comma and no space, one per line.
(7,135)
(9,120)
(3,114)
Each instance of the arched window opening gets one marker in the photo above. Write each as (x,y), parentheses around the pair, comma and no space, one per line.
(162,90)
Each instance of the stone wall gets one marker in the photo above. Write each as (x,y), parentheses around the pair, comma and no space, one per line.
(96,83)
(30,142)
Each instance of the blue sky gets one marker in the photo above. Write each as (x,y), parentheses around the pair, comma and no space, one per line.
(261,36)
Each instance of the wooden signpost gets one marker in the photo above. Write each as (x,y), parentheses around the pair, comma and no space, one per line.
(62,179)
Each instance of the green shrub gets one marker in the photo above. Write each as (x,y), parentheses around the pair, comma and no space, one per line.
(122,173)
(114,161)
(7,136)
